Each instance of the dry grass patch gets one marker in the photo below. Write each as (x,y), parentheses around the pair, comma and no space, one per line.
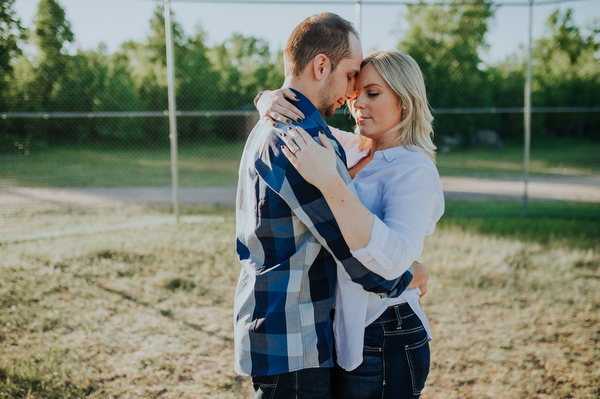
(144,311)
(512,320)
(138,313)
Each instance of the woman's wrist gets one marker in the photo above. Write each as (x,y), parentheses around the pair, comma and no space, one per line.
(330,184)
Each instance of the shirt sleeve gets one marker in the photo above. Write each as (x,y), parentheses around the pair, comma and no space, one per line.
(308,204)
(411,206)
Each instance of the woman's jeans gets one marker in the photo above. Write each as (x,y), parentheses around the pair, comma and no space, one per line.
(395,359)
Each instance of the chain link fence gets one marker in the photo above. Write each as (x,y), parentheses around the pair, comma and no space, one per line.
(84,129)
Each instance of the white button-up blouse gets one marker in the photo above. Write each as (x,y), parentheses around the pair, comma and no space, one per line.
(401,187)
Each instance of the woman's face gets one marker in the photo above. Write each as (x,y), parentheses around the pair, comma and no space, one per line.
(376,107)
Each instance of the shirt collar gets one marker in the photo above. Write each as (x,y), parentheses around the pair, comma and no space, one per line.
(392,153)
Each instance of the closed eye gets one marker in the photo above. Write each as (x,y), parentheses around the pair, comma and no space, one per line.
(372,94)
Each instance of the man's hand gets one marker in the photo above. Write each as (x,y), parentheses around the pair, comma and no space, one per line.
(420,278)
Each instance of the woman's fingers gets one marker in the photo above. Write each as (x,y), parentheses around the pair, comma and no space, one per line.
(275,105)
(284,113)
(287,93)
(269,120)
(290,156)
(290,143)
(277,112)
(300,135)
(302,139)
(286,110)
(292,111)
(314,162)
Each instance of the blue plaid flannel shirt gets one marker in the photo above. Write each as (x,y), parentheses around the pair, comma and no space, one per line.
(289,243)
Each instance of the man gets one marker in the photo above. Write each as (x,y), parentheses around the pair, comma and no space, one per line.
(287,239)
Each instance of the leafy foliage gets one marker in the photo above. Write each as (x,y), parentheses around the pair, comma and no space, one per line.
(11,32)
(445,39)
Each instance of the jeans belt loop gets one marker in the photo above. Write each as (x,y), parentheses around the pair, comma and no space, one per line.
(398,317)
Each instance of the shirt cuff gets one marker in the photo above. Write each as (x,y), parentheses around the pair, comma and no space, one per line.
(373,252)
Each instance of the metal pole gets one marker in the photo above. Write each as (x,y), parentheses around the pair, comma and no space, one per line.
(172,109)
(527,115)
(357,22)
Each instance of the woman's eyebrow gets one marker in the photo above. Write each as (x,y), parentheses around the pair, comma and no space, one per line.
(371,84)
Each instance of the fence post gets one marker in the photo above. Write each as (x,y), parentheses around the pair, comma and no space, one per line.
(357,13)
(172,109)
(527,115)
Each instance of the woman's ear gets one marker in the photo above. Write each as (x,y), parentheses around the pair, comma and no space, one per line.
(321,66)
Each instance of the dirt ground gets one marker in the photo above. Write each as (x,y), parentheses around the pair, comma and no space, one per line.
(582,189)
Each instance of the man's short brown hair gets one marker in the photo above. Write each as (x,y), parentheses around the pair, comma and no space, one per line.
(325,33)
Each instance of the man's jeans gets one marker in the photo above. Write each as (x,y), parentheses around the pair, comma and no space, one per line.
(396,359)
(312,383)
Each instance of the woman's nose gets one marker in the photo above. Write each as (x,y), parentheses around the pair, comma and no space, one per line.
(357,101)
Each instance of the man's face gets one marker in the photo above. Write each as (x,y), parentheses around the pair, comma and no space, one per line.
(339,84)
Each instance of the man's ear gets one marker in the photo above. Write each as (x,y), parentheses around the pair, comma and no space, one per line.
(321,66)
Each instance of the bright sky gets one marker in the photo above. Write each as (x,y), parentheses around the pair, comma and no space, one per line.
(115,21)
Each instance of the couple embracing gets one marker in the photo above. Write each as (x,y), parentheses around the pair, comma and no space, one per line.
(329,224)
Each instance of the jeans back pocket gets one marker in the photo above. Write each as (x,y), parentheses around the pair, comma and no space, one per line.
(418,357)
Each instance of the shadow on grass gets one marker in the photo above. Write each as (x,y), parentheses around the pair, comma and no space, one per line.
(165,313)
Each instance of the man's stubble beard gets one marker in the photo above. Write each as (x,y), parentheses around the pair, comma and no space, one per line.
(327,102)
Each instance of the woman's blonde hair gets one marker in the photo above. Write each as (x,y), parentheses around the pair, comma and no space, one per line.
(402,73)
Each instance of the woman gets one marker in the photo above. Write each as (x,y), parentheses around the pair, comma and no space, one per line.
(381,343)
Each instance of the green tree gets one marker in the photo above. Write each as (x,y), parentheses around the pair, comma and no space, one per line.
(197,87)
(120,95)
(506,83)
(37,80)
(446,41)
(52,35)
(148,63)
(11,32)
(150,60)
(246,66)
(100,82)
(566,72)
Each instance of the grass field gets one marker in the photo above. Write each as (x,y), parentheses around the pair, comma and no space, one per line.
(564,157)
(139,307)
(123,303)
(574,224)
(199,166)
(213,164)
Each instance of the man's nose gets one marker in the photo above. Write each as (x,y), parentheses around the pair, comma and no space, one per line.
(350,92)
